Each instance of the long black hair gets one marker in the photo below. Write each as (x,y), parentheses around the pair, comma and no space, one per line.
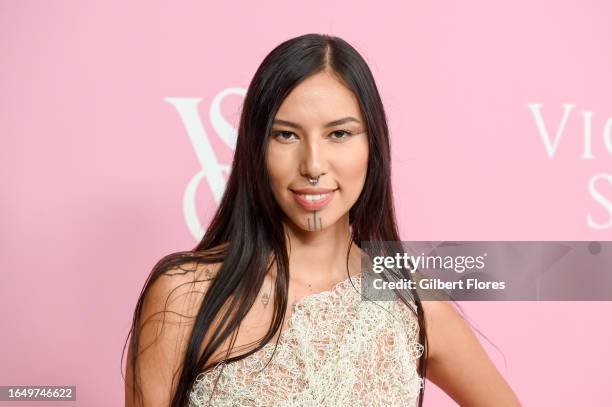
(246,230)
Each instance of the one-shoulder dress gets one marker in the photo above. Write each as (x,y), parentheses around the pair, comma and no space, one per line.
(337,349)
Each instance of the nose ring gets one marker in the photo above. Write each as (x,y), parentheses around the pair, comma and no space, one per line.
(313,181)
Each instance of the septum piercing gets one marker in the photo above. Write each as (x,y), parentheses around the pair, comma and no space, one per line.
(313,226)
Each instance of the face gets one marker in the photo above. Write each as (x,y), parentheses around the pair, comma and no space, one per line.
(318,133)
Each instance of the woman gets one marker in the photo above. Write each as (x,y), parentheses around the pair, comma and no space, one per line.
(266,310)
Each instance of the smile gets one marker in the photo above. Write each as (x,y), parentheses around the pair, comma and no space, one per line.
(313,202)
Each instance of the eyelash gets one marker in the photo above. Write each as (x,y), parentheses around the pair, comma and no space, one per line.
(348,133)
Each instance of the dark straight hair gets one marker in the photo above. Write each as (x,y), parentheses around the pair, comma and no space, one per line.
(246,232)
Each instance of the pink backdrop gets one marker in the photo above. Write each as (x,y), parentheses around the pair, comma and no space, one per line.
(118,119)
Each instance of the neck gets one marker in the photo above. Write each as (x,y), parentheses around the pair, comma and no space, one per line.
(320,257)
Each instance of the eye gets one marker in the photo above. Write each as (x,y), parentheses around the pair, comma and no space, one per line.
(281,135)
(342,133)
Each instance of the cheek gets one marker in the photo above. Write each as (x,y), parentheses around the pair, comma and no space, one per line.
(354,168)
(278,164)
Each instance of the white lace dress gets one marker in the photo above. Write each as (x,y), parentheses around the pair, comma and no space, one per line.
(336,350)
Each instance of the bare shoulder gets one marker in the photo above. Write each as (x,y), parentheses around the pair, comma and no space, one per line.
(167,316)
(196,274)
(441,319)
(457,362)
(180,288)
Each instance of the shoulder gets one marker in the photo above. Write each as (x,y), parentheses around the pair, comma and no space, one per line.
(184,278)
(443,323)
(170,304)
(175,296)
(457,362)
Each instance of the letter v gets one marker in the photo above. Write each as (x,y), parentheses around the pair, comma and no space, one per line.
(535,109)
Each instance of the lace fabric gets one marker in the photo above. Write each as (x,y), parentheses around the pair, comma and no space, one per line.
(336,350)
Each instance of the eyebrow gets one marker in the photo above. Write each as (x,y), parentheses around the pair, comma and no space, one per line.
(330,124)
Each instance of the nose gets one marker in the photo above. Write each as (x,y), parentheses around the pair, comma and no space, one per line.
(313,159)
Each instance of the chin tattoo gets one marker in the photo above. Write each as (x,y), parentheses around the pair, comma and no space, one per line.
(314,222)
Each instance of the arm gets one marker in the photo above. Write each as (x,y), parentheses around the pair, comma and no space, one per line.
(457,362)
(165,330)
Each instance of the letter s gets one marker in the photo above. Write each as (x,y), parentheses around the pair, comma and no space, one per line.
(601,200)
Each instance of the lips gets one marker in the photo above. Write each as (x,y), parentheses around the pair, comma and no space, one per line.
(313,191)
(313,199)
